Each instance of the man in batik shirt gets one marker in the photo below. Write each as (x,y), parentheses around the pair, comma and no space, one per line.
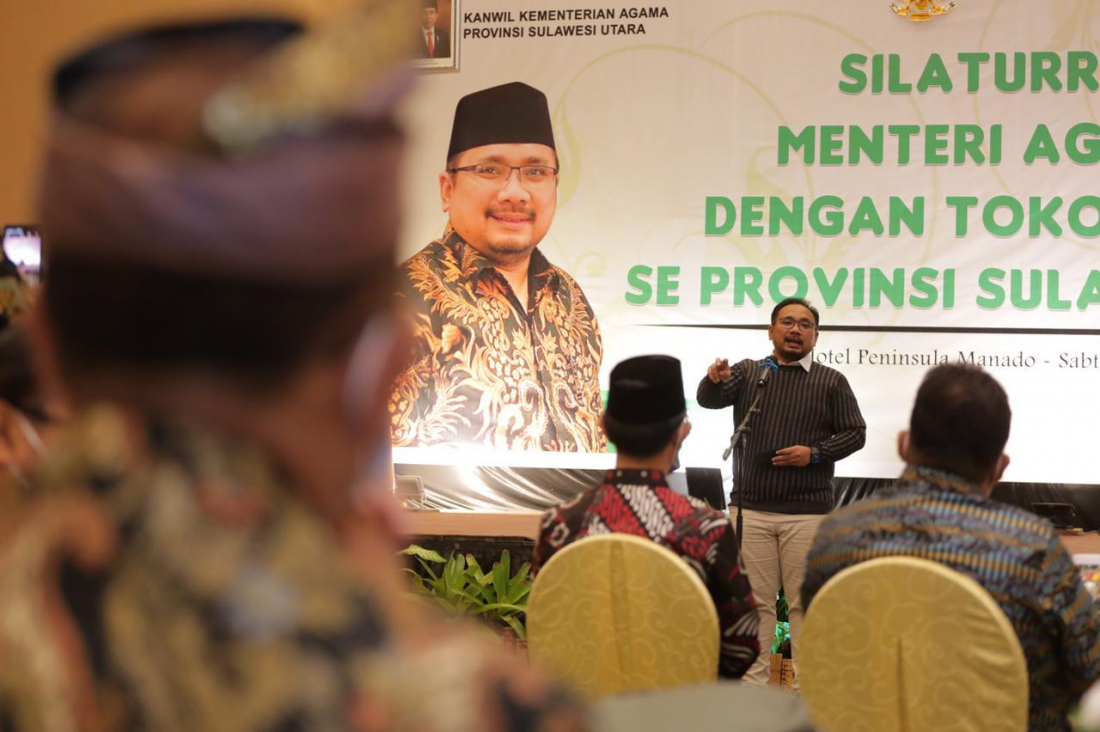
(507,351)
(194,555)
(646,420)
(940,510)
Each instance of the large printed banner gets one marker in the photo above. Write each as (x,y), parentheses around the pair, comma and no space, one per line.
(932,187)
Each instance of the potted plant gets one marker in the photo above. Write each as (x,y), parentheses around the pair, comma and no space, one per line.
(463,588)
(782,668)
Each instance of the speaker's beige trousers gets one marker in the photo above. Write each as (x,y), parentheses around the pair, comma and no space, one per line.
(774,550)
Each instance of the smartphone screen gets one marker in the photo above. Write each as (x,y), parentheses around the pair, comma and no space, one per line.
(23,248)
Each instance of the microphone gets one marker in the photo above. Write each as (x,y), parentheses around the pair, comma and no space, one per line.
(766,369)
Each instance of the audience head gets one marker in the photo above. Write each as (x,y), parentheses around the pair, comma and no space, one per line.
(959,424)
(646,412)
(169,256)
(197,276)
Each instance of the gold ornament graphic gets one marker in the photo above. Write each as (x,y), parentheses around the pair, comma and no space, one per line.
(921,10)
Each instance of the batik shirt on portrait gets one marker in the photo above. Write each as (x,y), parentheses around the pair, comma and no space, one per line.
(639,502)
(487,370)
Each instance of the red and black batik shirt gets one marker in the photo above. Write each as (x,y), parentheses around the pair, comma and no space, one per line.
(639,502)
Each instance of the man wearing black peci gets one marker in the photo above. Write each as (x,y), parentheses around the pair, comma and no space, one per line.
(808,419)
(506,347)
(646,418)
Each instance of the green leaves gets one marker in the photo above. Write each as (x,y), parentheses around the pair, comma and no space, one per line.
(782,624)
(782,635)
(461,587)
(421,553)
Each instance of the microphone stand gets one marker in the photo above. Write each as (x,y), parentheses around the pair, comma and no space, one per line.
(737,440)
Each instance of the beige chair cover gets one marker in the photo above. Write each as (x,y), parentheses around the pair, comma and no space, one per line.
(900,643)
(615,613)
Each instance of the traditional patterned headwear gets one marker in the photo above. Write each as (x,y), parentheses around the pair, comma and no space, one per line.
(646,390)
(239,148)
(239,169)
(510,113)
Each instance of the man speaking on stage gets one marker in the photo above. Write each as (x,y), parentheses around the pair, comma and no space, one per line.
(808,419)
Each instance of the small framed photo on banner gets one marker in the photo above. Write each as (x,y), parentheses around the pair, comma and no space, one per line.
(438,45)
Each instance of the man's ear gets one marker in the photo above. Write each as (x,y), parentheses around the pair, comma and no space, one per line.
(903,446)
(676,441)
(1002,463)
(446,186)
(378,357)
(372,368)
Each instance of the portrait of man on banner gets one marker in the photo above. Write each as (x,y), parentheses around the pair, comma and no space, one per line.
(507,349)
(434,47)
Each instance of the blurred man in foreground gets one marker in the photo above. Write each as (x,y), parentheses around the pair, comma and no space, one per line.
(193,556)
(940,510)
